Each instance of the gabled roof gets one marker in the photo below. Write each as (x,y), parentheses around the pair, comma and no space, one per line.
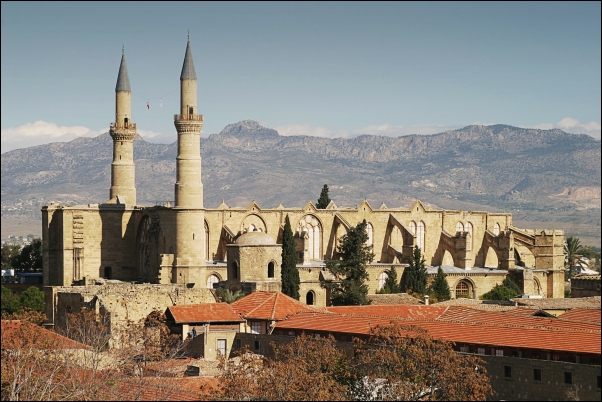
(396,311)
(502,334)
(210,312)
(582,315)
(123,80)
(188,72)
(262,305)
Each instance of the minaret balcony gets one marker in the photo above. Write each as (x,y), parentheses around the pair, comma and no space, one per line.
(123,131)
(126,125)
(188,117)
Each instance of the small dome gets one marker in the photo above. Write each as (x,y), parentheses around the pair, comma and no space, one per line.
(254,239)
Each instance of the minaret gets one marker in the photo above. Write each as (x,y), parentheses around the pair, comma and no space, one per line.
(123,132)
(190,213)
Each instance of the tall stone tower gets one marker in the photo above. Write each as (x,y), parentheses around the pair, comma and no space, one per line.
(123,131)
(190,213)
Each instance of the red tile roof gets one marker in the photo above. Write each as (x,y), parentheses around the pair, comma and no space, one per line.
(210,312)
(582,315)
(16,333)
(273,306)
(468,315)
(413,312)
(464,325)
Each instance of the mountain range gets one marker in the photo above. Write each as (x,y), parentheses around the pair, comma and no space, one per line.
(544,177)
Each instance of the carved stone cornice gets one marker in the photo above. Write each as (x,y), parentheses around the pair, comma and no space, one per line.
(122,133)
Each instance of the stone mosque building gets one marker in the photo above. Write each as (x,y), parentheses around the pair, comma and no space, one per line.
(193,246)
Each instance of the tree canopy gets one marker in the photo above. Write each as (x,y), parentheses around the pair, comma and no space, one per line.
(439,289)
(506,291)
(396,362)
(289,272)
(350,270)
(572,249)
(324,199)
(417,275)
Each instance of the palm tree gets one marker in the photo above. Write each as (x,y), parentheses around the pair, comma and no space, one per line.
(572,249)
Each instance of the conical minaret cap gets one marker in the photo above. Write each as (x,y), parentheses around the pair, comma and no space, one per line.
(188,72)
(123,80)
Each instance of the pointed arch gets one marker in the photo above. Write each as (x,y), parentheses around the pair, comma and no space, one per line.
(496,229)
(420,235)
(313,227)
(382,278)
(459,227)
(470,230)
(370,233)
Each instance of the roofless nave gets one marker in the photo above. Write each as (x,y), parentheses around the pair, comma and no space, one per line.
(189,244)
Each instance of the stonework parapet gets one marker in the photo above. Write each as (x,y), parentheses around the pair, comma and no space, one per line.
(123,133)
(188,126)
(188,117)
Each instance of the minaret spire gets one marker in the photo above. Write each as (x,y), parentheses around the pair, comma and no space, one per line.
(123,132)
(190,214)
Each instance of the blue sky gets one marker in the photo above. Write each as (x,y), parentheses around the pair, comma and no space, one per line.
(328,69)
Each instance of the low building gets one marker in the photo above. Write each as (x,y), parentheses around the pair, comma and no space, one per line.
(207,329)
(528,357)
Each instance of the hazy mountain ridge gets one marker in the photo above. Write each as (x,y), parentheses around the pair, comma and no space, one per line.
(476,167)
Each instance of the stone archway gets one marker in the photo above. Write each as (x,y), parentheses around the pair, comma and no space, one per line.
(491,258)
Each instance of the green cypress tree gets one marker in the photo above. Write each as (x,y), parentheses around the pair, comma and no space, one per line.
(439,288)
(391,285)
(290,274)
(355,254)
(417,277)
(324,199)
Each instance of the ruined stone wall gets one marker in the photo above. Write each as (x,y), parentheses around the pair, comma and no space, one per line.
(121,302)
(331,226)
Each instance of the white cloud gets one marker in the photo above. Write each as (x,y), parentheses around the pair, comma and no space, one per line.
(574,126)
(41,132)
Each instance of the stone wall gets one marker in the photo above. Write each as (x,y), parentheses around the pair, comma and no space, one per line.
(522,384)
(120,303)
(585,286)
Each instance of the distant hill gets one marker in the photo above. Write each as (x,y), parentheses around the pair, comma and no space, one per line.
(539,175)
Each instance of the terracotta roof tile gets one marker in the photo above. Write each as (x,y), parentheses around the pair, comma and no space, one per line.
(264,305)
(465,325)
(398,311)
(582,315)
(210,312)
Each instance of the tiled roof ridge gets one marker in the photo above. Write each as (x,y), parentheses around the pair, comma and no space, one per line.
(508,325)
(262,303)
(274,306)
(492,324)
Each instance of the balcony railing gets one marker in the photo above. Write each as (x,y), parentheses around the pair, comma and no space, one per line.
(129,126)
(190,117)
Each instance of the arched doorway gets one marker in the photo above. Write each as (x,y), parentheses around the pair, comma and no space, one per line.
(213,279)
(310,298)
(464,289)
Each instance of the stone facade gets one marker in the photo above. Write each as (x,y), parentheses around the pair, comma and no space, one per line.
(189,244)
(119,303)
